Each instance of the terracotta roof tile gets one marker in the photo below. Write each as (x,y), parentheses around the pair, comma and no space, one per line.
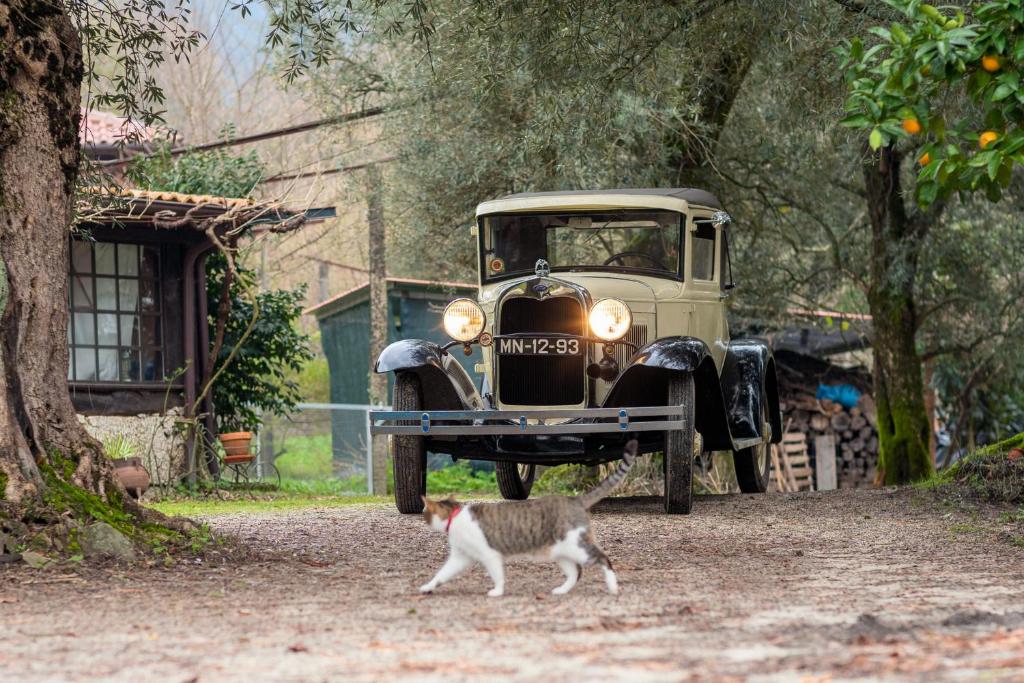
(103,128)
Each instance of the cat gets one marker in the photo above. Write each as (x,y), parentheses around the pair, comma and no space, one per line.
(554,528)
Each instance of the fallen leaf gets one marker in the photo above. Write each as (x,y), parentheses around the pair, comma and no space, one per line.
(298,647)
(1015,454)
(8,599)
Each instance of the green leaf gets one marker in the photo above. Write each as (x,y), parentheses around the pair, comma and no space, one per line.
(993,193)
(856,50)
(881,33)
(856,121)
(1002,92)
(927,192)
(875,138)
(993,166)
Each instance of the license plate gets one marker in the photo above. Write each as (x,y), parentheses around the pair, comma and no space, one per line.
(539,346)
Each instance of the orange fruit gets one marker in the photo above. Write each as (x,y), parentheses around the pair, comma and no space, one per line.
(990,63)
(912,126)
(925,159)
(987,138)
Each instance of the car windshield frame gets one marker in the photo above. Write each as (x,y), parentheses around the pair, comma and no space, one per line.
(487,276)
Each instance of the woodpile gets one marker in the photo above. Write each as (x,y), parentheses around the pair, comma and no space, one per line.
(853,429)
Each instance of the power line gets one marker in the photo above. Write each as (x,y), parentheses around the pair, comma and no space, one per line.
(266,135)
(331,171)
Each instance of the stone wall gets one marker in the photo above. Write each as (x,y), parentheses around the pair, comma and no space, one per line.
(151,437)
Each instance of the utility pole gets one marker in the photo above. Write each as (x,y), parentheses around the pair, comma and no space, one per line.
(378,316)
(266,437)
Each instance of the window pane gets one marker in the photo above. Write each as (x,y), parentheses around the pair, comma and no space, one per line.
(128,294)
(152,365)
(129,330)
(81,256)
(85,364)
(704,253)
(108,365)
(106,294)
(150,299)
(150,263)
(127,259)
(85,328)
(151,331)
(106,329)
(81,293)
(129,365)
(104,258)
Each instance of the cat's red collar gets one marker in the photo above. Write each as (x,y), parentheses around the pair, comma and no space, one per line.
(448,526)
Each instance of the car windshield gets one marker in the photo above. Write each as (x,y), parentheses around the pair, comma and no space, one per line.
(620,240)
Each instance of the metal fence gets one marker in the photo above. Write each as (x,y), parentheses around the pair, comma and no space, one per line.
(321,446)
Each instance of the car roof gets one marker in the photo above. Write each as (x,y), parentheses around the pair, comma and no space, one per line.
(672,198)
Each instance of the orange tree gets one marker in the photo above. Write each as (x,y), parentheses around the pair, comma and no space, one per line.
(938,96)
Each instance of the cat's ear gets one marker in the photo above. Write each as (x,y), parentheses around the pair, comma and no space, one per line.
(427,503)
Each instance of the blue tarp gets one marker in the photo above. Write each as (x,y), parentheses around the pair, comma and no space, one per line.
(846,395)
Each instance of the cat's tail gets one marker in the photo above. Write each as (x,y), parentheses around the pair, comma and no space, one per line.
(591,497)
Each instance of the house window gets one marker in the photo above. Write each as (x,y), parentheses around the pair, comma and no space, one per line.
(115,332)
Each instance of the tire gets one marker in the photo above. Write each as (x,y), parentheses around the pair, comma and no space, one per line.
(409,453)
(515,480)
(679,447)
(753,465)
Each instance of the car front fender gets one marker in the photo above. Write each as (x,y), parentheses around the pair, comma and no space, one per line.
(748,382)
(644,381)
(445,383)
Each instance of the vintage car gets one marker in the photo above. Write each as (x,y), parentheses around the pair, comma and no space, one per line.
(601,318)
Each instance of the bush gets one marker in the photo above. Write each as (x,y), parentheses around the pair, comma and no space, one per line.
(461,478)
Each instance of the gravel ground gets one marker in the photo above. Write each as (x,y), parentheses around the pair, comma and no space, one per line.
(845,585)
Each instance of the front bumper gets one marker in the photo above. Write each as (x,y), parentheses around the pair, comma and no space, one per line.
(587,435)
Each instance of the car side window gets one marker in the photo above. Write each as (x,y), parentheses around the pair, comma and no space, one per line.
(703,267)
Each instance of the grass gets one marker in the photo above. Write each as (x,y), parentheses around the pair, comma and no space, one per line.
(988,474)
(306,457)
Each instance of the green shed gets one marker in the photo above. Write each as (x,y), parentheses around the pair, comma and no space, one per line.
(414,312)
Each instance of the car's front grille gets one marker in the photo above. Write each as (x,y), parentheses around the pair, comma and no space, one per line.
(541,380)
(637,336)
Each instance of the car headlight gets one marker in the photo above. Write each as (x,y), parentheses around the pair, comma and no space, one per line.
(610,319)
(464,320)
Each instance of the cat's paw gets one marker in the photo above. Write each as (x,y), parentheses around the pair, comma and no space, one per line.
(496,592)
(561,590)
(427,588)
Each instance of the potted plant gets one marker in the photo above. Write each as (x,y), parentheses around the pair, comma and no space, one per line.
(127,465)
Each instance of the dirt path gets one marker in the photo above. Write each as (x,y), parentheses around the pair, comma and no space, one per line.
(852,585)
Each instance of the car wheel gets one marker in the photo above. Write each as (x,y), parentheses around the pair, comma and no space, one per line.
(753,464)
(515,479)
(409,453)
(679,448)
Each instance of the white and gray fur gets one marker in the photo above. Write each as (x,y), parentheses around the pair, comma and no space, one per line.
(554,528)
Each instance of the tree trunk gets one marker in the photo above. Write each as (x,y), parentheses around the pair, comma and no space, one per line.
(378,314)
(903,428)
(50,469)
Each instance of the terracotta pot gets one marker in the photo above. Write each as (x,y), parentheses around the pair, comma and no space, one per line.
(236,443)
(133,476)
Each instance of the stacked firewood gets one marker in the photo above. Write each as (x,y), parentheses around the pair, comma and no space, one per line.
(853,429)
